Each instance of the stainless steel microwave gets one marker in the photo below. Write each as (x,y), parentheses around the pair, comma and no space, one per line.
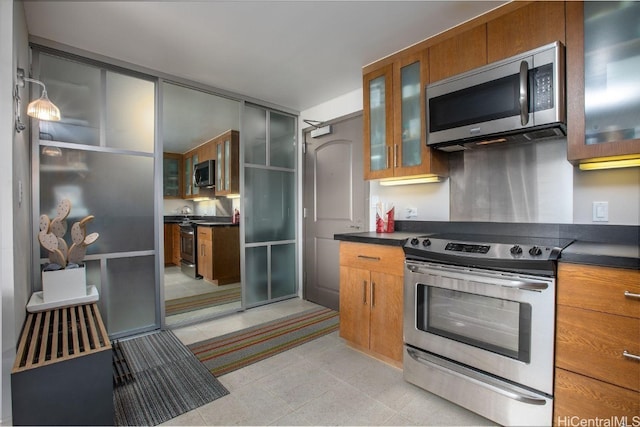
(204,173)
(521,98)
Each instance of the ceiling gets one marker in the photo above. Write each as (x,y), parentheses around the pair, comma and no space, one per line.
(295,54)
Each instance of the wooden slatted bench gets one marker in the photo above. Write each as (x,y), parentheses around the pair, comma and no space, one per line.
(62,374)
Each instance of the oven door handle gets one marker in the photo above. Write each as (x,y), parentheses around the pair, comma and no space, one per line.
(475,377)
(489,279)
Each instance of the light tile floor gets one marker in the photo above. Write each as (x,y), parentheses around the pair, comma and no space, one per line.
(323,382)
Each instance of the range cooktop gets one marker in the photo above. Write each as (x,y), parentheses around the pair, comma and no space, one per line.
(509,253)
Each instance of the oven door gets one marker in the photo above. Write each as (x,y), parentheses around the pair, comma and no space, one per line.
(187,244)
(499,323)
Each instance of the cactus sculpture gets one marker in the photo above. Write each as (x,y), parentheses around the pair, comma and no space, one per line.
(52,232)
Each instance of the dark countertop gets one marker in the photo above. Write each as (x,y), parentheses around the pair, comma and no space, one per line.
(215,224)
(621,254)
(397,238)
(207,220)
(604,254)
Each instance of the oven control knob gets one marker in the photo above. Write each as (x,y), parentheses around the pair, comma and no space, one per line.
(415,241)
(516,250)
(426,242)
(535,251)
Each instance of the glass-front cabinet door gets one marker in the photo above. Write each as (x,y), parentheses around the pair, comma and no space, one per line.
(378,123)
(188,182)
(172,176)
(410,152)
(394,121)
(190,190)
(603,59)
(227,164)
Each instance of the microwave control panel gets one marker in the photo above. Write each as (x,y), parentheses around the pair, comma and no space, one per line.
(542,85)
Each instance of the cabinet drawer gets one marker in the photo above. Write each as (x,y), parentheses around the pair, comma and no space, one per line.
(205,233)
(576,395)
(599,288)
(592,343)
(385,259)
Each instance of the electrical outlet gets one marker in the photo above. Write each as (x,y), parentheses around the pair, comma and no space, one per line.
(600,211)
(411,213)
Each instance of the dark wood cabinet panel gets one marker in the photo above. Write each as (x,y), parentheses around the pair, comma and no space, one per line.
(527,28)
(458,54)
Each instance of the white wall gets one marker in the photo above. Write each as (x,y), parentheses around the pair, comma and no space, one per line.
(6,211)
(337,107)
(16,238)
(619,187)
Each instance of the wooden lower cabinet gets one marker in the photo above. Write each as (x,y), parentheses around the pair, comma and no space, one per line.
(587,399)
(171,244)
(219,254)
(176,244)
(168,244)
(371,291)
(597,323)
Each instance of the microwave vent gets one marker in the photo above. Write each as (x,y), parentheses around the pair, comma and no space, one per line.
(544,134)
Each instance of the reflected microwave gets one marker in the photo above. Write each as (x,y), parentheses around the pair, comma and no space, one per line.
(521,98)
(204,173)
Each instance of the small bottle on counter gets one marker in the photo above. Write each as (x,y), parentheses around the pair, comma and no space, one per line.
(236,217)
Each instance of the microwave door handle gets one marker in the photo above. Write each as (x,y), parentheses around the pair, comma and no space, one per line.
(524,95)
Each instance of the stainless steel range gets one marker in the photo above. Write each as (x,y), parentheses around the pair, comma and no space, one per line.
(188,245)
(479,320)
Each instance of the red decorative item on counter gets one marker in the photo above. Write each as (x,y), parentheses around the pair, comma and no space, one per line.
(385,223)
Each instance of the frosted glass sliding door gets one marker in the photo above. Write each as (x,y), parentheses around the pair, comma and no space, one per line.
(101,156)
(269,197)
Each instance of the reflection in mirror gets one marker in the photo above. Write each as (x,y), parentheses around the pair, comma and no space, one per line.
(196,284)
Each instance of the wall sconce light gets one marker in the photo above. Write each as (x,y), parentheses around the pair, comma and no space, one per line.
(42,108)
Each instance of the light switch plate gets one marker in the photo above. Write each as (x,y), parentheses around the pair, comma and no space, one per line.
(600,211)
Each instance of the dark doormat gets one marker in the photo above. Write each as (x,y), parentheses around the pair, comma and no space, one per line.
(166,380)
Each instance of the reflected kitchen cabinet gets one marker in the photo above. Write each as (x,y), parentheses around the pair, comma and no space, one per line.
(227,163)
(191,159)
(603,58)
(172,175)
(219,253)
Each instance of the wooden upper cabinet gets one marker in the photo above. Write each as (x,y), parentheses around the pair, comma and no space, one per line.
(609,131)
(394,121)
(207,151)
(172,175)
(227,163)
(458,54)
(378,123)
(531,26)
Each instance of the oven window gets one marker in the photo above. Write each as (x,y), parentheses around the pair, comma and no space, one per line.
(493,324)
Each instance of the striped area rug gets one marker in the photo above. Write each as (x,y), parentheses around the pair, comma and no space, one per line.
(210,299)
(233,351)
(167,380)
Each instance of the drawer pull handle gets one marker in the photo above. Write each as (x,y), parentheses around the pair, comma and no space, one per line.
(373,294)
(364,292)
(631,295)
(371,258)
(628,355)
